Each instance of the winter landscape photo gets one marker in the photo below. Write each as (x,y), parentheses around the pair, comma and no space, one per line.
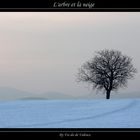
(69,70)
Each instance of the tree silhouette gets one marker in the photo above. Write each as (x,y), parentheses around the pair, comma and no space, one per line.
(108,70)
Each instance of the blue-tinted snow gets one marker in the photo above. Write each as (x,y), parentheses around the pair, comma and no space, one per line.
(119,113)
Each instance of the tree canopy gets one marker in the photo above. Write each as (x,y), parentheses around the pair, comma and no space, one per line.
(108,70)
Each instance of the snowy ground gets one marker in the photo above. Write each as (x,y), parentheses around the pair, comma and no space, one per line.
(119,113)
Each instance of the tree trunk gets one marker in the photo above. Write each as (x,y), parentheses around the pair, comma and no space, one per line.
(108,94)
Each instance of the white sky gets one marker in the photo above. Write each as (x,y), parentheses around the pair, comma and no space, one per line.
(42,51)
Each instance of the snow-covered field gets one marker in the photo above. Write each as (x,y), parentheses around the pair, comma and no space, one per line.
(113,113)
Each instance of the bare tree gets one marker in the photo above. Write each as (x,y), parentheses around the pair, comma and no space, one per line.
(108,70)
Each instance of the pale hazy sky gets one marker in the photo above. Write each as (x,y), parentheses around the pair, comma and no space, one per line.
(42,51)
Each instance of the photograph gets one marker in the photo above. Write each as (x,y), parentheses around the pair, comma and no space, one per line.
(69,70)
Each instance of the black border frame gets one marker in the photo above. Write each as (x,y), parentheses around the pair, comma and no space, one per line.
(106,6)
